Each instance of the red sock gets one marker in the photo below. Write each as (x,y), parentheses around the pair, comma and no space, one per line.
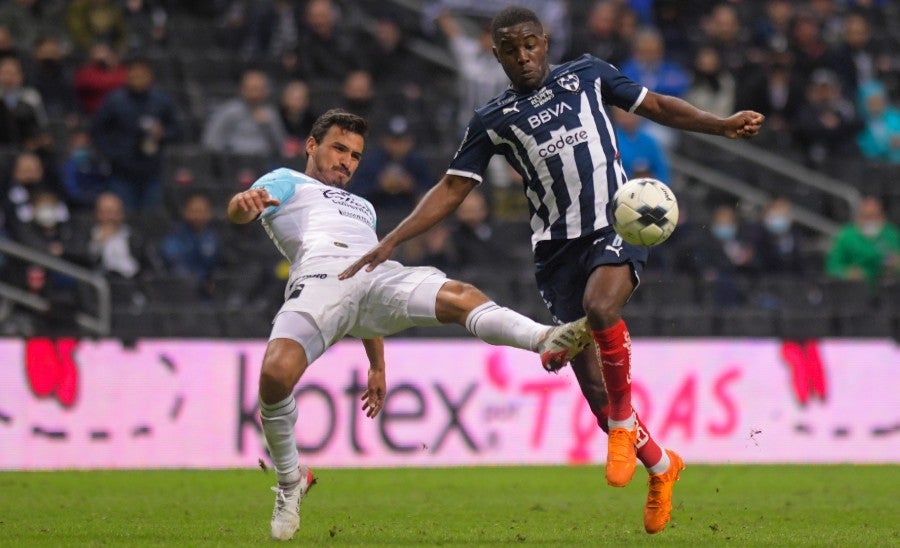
(648,451)
(614,349)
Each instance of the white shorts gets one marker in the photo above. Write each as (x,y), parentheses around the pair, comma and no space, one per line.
(320,310)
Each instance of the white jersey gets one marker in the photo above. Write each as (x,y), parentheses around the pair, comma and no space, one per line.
(315,220)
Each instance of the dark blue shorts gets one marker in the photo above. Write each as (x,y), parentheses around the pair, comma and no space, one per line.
(562,268)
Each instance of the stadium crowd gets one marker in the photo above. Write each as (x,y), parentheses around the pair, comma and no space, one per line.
(126,125)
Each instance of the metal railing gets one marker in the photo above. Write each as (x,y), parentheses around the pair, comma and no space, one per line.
(745,191)
(98,325)
(775,163)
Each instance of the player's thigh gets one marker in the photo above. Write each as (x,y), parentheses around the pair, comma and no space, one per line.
(319,310)
(398,298)
(615,267)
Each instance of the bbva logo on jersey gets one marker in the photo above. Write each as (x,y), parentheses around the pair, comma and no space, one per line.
(569,82)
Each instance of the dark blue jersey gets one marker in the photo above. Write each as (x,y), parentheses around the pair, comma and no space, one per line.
(560,139)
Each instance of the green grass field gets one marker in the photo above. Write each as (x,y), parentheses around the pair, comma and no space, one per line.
(555,506)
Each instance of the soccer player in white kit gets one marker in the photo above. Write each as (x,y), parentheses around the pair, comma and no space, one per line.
(322,229)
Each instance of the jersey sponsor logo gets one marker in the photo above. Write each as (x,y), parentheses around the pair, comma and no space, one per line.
(544,95)
(513,108)
(316,276)
(548,114)
(569,82)
(568,139)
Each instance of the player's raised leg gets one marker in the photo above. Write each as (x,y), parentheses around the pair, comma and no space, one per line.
(284,363)
(464,304)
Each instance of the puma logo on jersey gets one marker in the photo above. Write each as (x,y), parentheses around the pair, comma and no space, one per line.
(617,250)
(547,114)
(513,108)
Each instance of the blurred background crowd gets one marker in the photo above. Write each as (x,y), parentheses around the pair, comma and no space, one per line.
(126,125)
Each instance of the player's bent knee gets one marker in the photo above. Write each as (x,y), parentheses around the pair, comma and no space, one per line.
(604,311)
(282,367)
(456,299)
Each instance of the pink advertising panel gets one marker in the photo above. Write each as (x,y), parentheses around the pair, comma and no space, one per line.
(168,403)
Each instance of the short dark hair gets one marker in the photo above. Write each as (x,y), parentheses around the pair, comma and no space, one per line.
(340,118)
(513,15)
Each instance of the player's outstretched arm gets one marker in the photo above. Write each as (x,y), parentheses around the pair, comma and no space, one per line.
(373,397)
(246,206)
(679,114)
(437,204)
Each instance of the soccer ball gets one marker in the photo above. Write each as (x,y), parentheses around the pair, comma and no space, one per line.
(644,211)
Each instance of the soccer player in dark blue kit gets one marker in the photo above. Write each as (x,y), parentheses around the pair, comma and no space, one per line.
(553,126)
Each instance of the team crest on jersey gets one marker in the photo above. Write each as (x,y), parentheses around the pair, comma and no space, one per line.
(544,95)
(569,82)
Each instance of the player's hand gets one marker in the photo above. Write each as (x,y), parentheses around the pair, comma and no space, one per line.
(743,124)
(255,200)
(373,397)
(373,258)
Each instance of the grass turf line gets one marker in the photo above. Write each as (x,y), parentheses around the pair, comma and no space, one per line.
(558,506)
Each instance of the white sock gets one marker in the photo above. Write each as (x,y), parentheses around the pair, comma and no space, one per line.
(278,420)
(627,424)
(660,466)
(497,325)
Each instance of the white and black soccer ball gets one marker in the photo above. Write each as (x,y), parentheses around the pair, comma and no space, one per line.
(645,211)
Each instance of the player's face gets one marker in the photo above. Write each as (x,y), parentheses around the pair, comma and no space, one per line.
(522,51)
(335,159)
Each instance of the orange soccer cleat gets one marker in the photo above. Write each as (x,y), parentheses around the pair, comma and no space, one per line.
(621,456)
(659,497)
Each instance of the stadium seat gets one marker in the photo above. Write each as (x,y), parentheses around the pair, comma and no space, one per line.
(685,322)
(747,322)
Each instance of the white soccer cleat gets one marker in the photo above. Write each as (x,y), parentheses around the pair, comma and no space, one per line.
(286,515)
(562,343)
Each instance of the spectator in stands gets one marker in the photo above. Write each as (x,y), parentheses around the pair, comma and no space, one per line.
(777,91)
(880,138)
(28,176)
(473,236)
(113,246)
(296,117)
(131,129)
(95,79)
(722,30)
(772,28)
(827,124)
(396,70)
(53,77)
(394,174)
(146,24)
(713,87)
(650,66)
(723,256)
(246,125)
(358,94)
(641,153)
(807,46)
(85,173)
(600,36)
(24,104)
(325,50)
(93,21)
(859,58)
(23,19)
(8,46)
(193,248)
(274,29)
(47,228)
(867,249)
(481,77)
(777,242)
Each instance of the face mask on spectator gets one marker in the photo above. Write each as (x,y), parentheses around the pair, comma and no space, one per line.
(724,231)
(778,224)
(870,229)
(46,216)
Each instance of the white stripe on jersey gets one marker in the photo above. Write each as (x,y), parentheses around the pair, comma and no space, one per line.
(600,200)
(537,225)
